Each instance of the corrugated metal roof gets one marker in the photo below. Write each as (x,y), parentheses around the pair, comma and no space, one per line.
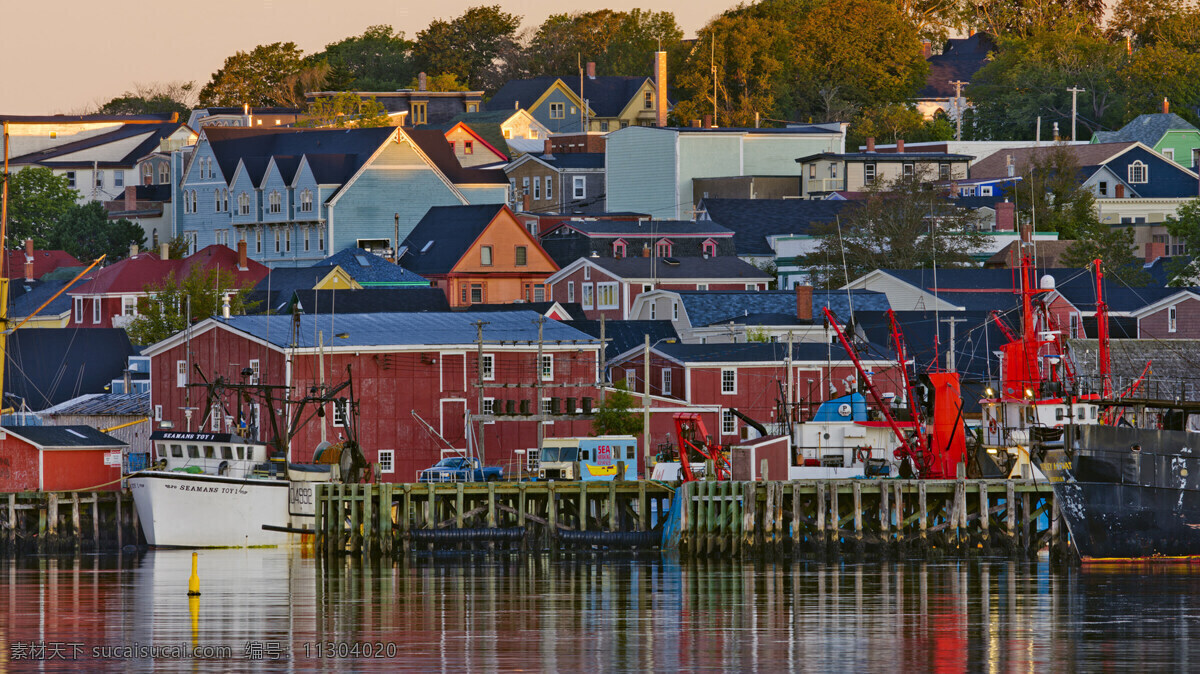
(114,404)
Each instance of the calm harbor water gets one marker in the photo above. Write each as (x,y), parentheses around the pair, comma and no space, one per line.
(278,610)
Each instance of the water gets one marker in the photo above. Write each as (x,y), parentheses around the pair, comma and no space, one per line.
(588,613)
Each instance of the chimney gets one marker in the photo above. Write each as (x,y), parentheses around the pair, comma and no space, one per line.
(133,250)
(28,259)
(1166,105)
(525,202)
(164,251)
(660,88)
(422,82)
(1006,216)
(695,124)
(131,197)
(804,302)
(645,250)
(871,144)
(899,145)
(225,307)
(1120,191)
(926,48)
(591,70)
(549,146)
(1155,250)
(242,262)
(708,121)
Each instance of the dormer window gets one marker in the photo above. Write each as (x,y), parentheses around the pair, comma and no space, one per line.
(275,202)
(164,174)
(619,248)
(306,201)
(663,248)
(709,248)
(243,204)
(1138,172)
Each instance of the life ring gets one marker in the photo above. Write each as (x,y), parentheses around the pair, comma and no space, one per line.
(862,454)
(993,427)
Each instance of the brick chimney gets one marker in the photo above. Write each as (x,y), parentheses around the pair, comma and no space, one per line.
(164,251)
(1006,217)
(804,302)
(131,197)
(871,144)
(695,124)
(422,81)
(243,264)
(525,202)
(926,48)
(899,145)
(28,259)
(549,147)
(708,121)
(1120,191)
(660,88)
(1166,105)
(1155,250)
(591,70)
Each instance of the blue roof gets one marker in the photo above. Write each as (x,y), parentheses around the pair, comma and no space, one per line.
(1146,129)
(333,154)
(370,269)
(573,160)
(646,227)
(47,366)
(606,95)
(768,352)
(407,329)
(709,307)
(38,292)
(621,336)
(753,220)
(444,235)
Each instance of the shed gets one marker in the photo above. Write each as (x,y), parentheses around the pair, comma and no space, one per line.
(58,458)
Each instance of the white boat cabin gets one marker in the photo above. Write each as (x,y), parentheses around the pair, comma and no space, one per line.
(221,454)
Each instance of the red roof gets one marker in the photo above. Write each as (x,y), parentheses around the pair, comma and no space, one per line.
(44,262)
(133,274)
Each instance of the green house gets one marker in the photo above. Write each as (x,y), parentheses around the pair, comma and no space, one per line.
(1165,132)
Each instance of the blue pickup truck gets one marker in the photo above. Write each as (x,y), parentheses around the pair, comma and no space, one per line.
(460,469)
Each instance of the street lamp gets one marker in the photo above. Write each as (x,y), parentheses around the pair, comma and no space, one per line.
(520,462)
(646,396)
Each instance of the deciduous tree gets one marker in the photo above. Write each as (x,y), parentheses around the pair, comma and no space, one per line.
(616,414)
(468,46)
(345,109)
(253,78)
(166,310)
(86,232)
(378,60)
(156,98)
(37,200)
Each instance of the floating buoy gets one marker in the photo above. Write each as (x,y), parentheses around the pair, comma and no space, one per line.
(194,581)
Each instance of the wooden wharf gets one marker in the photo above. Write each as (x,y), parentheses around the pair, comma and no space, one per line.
(704,519)
(67,522)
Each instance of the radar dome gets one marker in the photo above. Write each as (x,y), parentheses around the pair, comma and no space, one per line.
(1047,282)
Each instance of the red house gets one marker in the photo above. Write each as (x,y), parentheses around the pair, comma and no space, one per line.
(416,376)
(749,377)
(109,298)
(1176,316)
(608,286)
(32,264)
(58,458)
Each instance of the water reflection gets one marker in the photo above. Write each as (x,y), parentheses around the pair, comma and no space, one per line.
(594,613)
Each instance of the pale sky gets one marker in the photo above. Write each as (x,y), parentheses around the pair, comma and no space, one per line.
(67,57)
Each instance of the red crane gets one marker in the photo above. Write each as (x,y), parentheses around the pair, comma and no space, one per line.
(692,435)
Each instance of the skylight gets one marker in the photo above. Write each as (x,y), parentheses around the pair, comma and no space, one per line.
(427,246)
(76,433)
(362,260)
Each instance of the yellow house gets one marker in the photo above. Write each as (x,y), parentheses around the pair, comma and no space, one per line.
(574,104)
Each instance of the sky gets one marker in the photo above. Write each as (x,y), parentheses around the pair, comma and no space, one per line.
(70,57)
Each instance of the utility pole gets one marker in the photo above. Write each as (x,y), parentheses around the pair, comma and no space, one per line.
(713,65)
(541,428)
(479,367)
(958,107)
(646,403)
(603,358)
(787,396)
(950,364)
(1075,91)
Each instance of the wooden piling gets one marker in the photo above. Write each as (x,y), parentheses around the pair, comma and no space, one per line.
(858,525)
(922,510)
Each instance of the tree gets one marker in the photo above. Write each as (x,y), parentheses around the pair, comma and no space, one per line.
(291,90)
(468,46)
(900,225)
(1185,224)
(153,99)
(37,199)
(87,233)
(619,43)
(1113,246)
(1050,195)
(345,109)
(1162,71)
(616,414)
(165,311)
(378,60)
(1147,22)
(253,78)
(444,82)
(1020,18)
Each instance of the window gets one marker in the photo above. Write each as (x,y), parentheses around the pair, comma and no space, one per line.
(544,409)
(287,240)
(675,311)
(701,286)
(606,295)
(570,291)
(489,366)
(537,189)
(522,256)
(604,126)
(587,296)
(1171,324)
(181,374)
(619,248)
(549,189)
(306,201)
(320,239)
(728,380)
(468,147)
(485,256)
(224,201)
(119,178)
(99,178)
(472,107)
(1169,153)
(539,293)
(489,407)
(258,242)
(631,379)
(340,408)
(663,248)
(78,309)
(985,190)
(1102,188)
(653,310)
(666,381)
(1138,172)
(547,367)
(71,179)
(578,187)
(648,101)
(453,146)
(868,174)
(216,201)
(387,461)
(558,110)
(96,304)
(833,168)
(907,170)
(243,204)
(419,113)
(277,237)
(275,202)
(812,171)
(256,369)
(129,306)
(147,174)
(476,293)
(943,171)
(164,173)
(158,412)
(728,423)
(1074,318)
(709,248)
(524,186)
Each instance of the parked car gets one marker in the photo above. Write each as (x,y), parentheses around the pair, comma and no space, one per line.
(460,469)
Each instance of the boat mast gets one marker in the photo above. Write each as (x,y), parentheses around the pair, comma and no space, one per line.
(1102,334)
(3,271)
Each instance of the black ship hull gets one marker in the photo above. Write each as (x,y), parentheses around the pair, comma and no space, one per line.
(1128,493)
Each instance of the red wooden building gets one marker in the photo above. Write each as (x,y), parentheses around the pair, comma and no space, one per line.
(58,458)
(416,378)
(750,378)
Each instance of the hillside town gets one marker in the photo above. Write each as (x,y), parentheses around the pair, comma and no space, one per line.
(493,254)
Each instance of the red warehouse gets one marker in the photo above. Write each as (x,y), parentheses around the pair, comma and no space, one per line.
(416,377)
(58,458)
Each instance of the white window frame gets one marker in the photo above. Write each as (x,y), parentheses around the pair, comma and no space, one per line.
(868,174)
(97,309)
(164,173)
(277,240)
(1138,173)
(339,413)
(701,286)
(729,387)
(489,408)
(587,273)
(666,381)
(181,374)
(547,367)
(129,305)
(489,367)
(586,297)
(570,291)
(158,412)
(537,189)
(1172,318)
(387,461)
(613,290)
(544,410)
(306,201)
(1169,153)
(549,188)
(275,202)
(579,187)
(243,204)
(119,178)
(78,309)
(631,379)
(728,423)
(256,369)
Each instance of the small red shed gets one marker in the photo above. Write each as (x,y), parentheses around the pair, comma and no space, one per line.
(58,458)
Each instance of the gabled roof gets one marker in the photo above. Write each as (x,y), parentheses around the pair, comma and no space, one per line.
(546,309)
(489,133)
(753,220)
(54,156)
(959,61)
(38,292)
(435,146)
(710,307)
(995,165)
(444,235)
(371,300)
(275,290)
(756,352)
(1146,129)
(114,404)
(65,437)
(47,366)
(633,228)
(623,336)
(44,262)
(334,155)
(715,268)
(606,96)
(370,269)
(568,161)
(133,274)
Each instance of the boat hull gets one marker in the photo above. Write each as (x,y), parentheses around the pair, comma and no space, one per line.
(1128,493)
(206,511)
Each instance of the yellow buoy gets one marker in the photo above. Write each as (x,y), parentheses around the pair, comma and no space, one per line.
(194,581)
